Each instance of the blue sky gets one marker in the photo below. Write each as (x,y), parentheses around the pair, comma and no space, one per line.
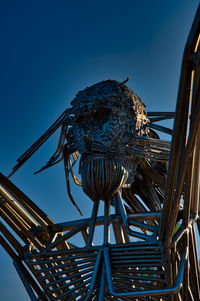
(52,49)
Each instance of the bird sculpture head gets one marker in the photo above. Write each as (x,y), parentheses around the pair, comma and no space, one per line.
(107,126)
(110,114)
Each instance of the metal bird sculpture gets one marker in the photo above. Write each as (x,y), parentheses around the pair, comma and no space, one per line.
(151,185)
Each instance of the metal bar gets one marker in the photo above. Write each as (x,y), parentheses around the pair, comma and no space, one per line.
(80,292)
(174,255)
(13,226)
(85,267)
(94,276)
(196,175)
(102,284)
(22,159)
(161,128)
(22,228)
(138,251)
(127,285)
(178,142)
(64,279)
(92,223)
(6,206)
(55,253)
(30,206)
(12,240)
(188,190)
(106,222)
(72,283)
(17,208)
(61,227)
(140,270)
(194,263)
(180,129)
(140,225)
(138,246)
(191,295)
(121,209)
(136,257)
(125,221)
(172,114)
(41,295)
(186,283)
(181,175)
(131,277)
(7,248)
(193,41)
(156,119)
(196,185)
(163,291)
(118,232)
(25,281)
(64,259)
(84,233)
(65,236)
(72,290)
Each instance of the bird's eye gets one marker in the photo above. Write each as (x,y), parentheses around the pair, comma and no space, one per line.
(101,114)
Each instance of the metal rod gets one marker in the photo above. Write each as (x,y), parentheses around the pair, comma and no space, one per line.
(106,222)
(94,275)
(163,291)
(25,281)
(30,206)
(92,223)
(102,285)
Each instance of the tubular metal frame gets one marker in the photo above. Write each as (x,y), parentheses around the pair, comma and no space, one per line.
(152,255)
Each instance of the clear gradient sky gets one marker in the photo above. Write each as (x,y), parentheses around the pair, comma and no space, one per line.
(49,51)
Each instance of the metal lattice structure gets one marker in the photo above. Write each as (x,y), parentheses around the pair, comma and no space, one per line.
(149,188)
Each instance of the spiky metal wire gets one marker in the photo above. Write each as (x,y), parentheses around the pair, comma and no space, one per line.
(64,121)
(151,151)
